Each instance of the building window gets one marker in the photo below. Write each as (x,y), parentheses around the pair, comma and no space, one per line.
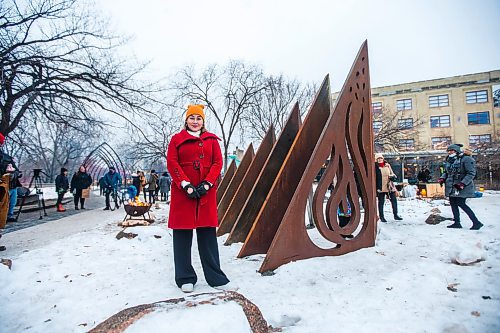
(403,104)
(438,101)
(478,118)
(377,126)
(473,97)
(377,108)
(475,140)
(406,144)
(441,143)
(406,123)
(440,121)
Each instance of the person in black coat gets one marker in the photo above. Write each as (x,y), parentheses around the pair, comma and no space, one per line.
(81,180)
(62,186)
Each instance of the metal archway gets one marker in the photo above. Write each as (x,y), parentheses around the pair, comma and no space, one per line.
(101,158)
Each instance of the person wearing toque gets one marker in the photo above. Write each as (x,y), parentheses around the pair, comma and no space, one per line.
(194,161)
(62,186)
(384,181)
(458,179)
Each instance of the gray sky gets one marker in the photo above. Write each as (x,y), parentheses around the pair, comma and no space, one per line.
(408,40)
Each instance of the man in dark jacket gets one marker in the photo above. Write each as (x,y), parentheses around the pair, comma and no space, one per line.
(62,186)
(111,180)
(460,170)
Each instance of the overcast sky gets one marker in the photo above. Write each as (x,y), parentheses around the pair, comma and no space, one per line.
(408,40)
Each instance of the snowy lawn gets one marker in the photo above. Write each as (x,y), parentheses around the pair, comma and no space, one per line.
(71,274)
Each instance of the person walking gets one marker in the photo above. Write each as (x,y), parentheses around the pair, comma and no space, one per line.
(385,178)
(458,178)
(111,181)
(81,180)
(164,183)
(62,186)
(152,184)
(194,161)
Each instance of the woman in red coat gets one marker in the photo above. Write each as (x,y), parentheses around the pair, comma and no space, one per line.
(194,161)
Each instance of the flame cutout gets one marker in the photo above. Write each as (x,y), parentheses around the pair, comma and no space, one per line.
(346,135)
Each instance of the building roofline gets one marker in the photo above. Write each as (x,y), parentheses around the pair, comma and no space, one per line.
(464,76)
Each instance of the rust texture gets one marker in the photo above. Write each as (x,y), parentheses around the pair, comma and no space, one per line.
(224,183)
(119,322)
(346,133)
(235,182)
(262,186)
(226,223)
(278,199)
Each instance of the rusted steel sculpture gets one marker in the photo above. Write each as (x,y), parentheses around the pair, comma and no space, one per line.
(345,133)
(235,182)
(264,182)
(285,183)
(227,221)
(224,183)
(125,319)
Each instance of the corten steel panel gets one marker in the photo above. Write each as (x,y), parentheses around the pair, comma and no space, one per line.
(235,182)
(227,222)
(350,124)
(228,175)
(242,229)
(274,207)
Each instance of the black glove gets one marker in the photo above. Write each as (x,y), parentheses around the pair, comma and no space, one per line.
(393,178)
(203,188)
(191,191)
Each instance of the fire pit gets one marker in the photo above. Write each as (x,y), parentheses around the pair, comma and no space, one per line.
(134,211)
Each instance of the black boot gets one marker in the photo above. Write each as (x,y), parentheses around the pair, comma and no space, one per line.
(382,219)
(476,226)
(397,217)
(455,225)
(76,208)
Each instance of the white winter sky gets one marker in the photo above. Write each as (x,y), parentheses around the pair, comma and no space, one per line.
(408,40)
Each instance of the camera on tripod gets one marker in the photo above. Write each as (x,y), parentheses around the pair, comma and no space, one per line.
(36,181)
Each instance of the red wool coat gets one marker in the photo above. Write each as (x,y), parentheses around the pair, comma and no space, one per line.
(194,160)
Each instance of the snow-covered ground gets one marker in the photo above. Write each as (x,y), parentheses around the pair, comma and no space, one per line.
(71,274)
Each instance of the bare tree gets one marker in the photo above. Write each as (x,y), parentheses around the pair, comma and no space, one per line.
(228,92)
(41,144)
(274,103)
(58,60)
(487,155)
(150,149)
(393,131)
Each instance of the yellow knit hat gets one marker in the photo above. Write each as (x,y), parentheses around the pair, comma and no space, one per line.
(195,109)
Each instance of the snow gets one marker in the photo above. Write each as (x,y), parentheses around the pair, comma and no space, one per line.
(71,274)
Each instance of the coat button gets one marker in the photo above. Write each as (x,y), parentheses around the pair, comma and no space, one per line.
(200,144)
(201,155)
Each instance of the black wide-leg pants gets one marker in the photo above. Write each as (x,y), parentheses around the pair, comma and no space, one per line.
(209,256)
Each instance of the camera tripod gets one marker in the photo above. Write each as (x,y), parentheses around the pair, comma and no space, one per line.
(37,182)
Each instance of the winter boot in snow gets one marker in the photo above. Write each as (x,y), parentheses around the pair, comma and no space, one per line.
(382,218)
(398,218)
(76,208)
(60,208)
(187,287)
(455,225)
(476,226)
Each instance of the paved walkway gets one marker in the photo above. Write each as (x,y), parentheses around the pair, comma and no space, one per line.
(32,218)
